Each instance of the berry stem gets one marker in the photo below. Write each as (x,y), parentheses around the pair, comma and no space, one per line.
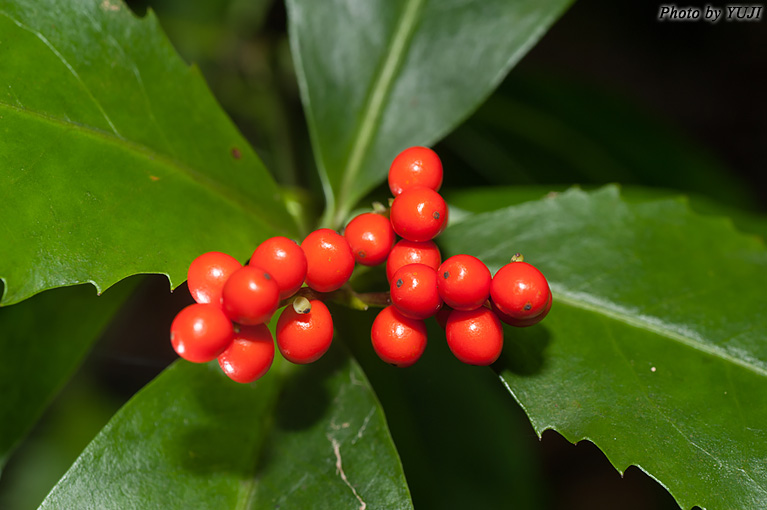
(381,209)
(345,296)
(375,299)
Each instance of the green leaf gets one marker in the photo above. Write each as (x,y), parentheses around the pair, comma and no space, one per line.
(483,199)
(379,76)
(116,158)
(301,437)
(43,340)
(656,346)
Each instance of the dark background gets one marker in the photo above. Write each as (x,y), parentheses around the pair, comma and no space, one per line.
(709,81)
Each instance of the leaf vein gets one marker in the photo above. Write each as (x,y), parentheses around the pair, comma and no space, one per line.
(232,195)
(681,335)
(137,74)
(373,110)
(71,69)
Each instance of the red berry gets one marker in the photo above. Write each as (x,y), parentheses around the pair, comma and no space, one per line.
(329,258)
(284,260)
(419,214)
(207,275)
(370,237)
(200,332)
(250,355)
(443,315)
(416,166)
(414,291)
(250,296)
(475,337)
(519,290)
(464,282)
(408,252)
(397,339)
(523,323)
(304,338)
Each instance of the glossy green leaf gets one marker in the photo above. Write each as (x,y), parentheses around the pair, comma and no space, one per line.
(379,76)
(483,199)
(43,340)
(301,437)
(656,346)
(116,158)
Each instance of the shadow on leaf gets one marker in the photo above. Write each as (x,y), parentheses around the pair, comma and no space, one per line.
(228,419)
(305,397)
(524,350)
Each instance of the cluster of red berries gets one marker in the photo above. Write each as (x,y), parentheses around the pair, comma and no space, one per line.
(234,301)
(467,301)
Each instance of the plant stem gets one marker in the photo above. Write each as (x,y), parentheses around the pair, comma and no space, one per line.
(345,296)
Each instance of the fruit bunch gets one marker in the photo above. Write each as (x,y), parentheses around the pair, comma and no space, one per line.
(234,302)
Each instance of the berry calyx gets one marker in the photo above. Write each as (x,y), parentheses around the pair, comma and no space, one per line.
(419,214)
(304,337)
(520,290)
(250,354)
(370,237)
(397,339)
(302,305)
(200,332)
(475,337)
(284,260)
(250,296)
(464,282)
(207,275)
(329,258)
(415,166)
(414,291)
(409,252)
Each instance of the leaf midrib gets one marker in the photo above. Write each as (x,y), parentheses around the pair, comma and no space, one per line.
(382,85)
(152,156)
(589,303)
